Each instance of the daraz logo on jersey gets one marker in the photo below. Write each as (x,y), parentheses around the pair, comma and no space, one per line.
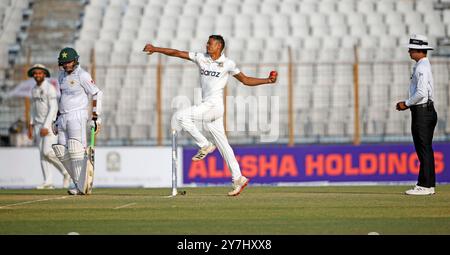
(209,73)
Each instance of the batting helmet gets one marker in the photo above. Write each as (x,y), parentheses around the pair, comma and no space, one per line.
(67,55)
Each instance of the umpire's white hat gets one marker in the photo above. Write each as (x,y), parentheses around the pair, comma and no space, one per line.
(419,42)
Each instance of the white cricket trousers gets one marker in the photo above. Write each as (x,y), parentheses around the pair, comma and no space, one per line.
(47,154)
(72,125)
(210,113)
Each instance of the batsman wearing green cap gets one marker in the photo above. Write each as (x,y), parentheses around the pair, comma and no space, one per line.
(77,86)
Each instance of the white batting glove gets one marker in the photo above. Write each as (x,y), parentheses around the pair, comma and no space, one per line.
(95,123)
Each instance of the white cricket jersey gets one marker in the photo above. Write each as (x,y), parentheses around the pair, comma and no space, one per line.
(213,74)
(421,86)
(44,105)
(75,90)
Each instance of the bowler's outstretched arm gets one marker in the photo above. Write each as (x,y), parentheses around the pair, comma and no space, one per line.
(150,49)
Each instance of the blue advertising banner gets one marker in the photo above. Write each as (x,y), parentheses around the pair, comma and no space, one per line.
(317,163)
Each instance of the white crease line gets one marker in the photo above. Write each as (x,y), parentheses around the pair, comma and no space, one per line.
(33,201)
(122,206)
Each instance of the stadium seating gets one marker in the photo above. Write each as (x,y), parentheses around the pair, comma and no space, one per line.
(322,35)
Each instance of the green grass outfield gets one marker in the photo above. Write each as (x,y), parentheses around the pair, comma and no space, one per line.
(207,210)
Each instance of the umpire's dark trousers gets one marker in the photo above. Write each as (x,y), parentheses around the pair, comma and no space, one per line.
(424,119)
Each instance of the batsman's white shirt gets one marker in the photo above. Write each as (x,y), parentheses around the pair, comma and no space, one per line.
(44,105)
(75,90)
(213,74)
(421,86)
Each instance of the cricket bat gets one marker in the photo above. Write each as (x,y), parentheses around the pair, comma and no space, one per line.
(91,162)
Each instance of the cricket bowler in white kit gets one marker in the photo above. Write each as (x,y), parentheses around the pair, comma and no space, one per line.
(44,107)
(215,69)
(76,88)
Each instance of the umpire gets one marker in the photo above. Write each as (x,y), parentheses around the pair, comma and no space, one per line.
(424,116)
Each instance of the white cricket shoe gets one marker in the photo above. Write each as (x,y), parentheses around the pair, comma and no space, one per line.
(66,181)
(45,186)
(238,186)
(420,191)
(432,191)
(74,192)
(201,154)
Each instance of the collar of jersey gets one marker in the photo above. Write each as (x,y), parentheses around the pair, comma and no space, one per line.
(75,71)
(221,59)
(43,84)
(422,60)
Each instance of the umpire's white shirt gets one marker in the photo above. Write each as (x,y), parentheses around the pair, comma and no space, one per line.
(75,90)
(44,104)
(213,74)
(421,86)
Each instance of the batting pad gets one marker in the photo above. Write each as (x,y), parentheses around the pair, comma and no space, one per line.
(63,155)
(51,156)
(78,158)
